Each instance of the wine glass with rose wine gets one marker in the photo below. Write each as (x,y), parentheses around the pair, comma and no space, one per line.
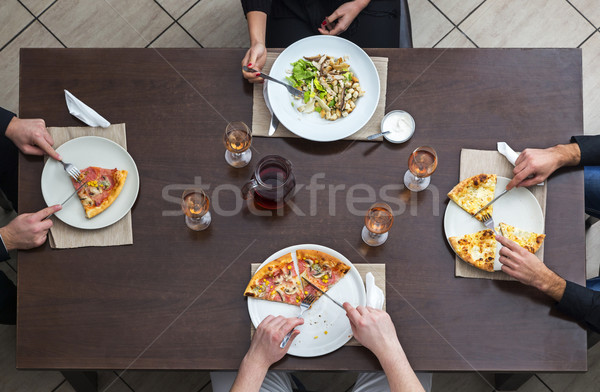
(421,164)
(195,203)
(378,221)
(237,139)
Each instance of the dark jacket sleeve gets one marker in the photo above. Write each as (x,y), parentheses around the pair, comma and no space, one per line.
(582,304)
(590,149)
(256,5)
(5,118)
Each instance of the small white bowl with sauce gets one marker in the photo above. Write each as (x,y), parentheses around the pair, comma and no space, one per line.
(400,124)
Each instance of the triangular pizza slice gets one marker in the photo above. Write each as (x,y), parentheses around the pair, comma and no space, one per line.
(277,281)
(100,188)
(477,249)
(527,239)
(320,269)
(474,192)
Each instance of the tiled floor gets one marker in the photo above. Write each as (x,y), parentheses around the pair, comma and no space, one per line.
(220,23)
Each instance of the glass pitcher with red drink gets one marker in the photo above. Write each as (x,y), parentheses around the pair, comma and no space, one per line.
(272,182)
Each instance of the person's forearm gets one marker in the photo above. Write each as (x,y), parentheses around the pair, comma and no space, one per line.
(257,27)
(552,285)
(250,376)
(400,374)
(567,154)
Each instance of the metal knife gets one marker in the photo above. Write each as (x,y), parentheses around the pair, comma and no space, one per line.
(68,198)
(490,203)
(274,121)
(324,293)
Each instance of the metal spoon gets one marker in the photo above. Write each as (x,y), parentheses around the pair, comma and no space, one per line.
(377,135)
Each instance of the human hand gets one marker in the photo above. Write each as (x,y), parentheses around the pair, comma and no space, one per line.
(31,137)
(374,329)
(524,266)
(255,58)
(344,15)
(264,349)
(540,163)
(28,231)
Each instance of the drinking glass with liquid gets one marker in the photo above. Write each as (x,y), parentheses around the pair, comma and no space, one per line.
(195,204)
(378,221)
(237,140)
(421,164)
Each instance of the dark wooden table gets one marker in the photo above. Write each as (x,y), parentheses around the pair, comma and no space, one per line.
(173,300)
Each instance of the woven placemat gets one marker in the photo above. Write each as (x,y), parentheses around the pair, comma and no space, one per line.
(65,236)
(261,117)
(378,271)
(473,162)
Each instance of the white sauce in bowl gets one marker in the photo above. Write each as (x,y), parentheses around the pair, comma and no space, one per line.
(400,124)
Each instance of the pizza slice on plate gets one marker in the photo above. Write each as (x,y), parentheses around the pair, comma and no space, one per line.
(477,249)
(101,188)
(527,239)
(474,192)
(277,281)
(320,269)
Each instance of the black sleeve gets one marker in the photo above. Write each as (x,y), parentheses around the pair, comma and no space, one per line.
(582,304)
(590,149)
(5,118)
(256,5)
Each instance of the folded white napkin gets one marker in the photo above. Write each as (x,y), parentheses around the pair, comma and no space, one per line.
(375,297)
(84,112)
(510,154)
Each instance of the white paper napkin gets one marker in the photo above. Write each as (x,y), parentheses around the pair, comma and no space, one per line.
(84,112)
(510,154)
(375,297)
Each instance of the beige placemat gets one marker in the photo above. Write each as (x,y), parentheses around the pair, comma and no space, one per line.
(473,162)
(378,271)
(65,236)
(261,117)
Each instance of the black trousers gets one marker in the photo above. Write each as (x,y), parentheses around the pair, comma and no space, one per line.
(382,24)
(8,300)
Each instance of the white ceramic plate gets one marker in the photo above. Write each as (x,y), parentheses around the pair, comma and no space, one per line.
(324,315)
(84,152)
(311,126)
(518,208)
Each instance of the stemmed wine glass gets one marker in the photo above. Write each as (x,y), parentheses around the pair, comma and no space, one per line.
(195,203)
(421,164)
(237,139)
(378,222)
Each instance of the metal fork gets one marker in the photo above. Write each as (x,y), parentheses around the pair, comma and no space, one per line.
(304,305)
(71,170)
(488,221)
(292,90)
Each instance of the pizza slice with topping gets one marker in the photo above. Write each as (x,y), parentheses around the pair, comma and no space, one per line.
(100,190)
(474,192)
(277,281)
(320,269)
(477,249)
(527,239)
